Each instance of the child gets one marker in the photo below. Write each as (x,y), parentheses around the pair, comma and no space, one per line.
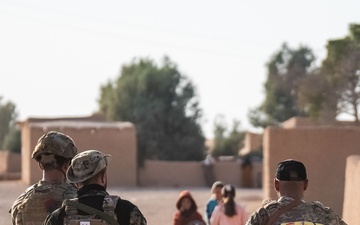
(228,213)
(215,199)
(187,213)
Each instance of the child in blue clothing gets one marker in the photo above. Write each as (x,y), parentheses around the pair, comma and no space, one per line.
(214,200)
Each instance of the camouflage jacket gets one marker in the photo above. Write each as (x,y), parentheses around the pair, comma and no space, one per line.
(305,213)
(93,195)
(40,199)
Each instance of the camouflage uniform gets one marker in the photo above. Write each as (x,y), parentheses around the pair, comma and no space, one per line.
(93,196)
(312,213)
(84,166)
(40,199)
(23,214)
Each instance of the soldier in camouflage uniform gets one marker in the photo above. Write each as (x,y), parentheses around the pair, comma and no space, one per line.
(290,209)
(88,172)
(53,152)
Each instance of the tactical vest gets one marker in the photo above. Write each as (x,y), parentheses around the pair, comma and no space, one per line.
(40,200)
(95,217)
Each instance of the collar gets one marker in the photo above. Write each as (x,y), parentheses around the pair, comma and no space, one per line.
(92,189)
(43,182)
(286,199)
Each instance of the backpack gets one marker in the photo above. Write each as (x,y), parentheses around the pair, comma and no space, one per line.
(40,200)
(95,217)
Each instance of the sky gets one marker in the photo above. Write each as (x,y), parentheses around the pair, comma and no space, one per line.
(55,55)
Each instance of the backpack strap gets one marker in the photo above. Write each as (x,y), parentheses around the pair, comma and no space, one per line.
(92,211)
(282,210)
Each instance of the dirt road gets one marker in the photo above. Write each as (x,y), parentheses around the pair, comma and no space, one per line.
(157,204)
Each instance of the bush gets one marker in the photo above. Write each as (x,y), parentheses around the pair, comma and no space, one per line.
(12,141)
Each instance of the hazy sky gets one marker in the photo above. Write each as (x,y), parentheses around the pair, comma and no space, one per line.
(55,55)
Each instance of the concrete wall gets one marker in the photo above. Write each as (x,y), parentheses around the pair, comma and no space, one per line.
(352,194)
(9,162)
(165,173)
(323,150)
(117,139)
(175,174)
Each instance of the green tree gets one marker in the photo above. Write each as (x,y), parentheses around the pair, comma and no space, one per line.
(12,140)
(342,71)
(335,87)
(287,69)
(162,104)
(8,117)
(318,97)
(227,144)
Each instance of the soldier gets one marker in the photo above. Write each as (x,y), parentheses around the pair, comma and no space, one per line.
(290,184)
(93,204)
(53,152)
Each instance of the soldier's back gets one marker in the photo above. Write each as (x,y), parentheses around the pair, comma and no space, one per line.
(305,213)
(39,200)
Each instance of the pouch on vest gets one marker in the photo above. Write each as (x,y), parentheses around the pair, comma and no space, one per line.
(95,217)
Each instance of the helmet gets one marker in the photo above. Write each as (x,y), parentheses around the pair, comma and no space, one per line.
(53,143)
(86,165)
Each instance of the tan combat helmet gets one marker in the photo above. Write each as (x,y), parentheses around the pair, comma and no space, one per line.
(51,144)
(86,165)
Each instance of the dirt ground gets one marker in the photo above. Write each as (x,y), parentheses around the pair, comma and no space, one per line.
(157,204)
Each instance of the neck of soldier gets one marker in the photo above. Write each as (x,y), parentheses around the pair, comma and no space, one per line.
(294,195)
(53,175)
(292,189)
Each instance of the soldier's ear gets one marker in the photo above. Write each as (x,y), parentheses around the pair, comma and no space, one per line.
(276,184)
(104,178)
(306,182)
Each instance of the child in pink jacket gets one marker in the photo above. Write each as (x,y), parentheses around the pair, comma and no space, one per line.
(228,213)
